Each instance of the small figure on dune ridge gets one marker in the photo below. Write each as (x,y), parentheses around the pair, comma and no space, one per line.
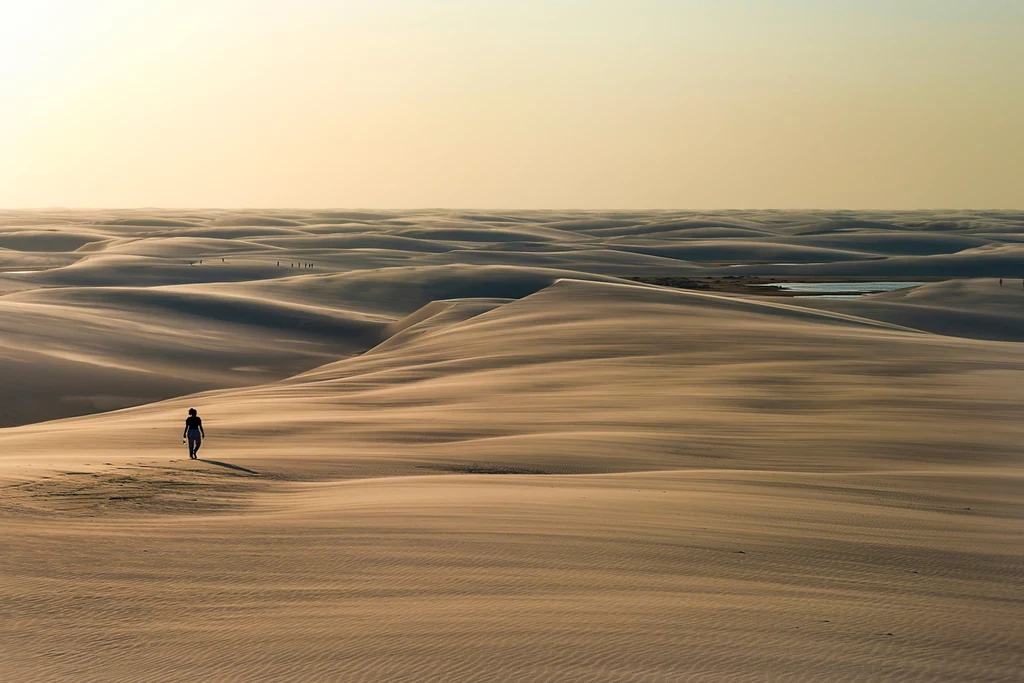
(194,433)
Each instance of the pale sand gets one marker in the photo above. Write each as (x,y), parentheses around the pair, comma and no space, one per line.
(461,448)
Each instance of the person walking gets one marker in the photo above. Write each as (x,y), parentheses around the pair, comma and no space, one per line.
(193,433)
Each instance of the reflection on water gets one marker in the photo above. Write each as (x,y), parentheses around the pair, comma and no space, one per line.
(840,290)
(795,263)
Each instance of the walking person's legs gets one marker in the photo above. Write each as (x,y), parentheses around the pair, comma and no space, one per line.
(194,441)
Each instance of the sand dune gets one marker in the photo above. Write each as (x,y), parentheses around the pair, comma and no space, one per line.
(46,240)
(360,241)
(71,348)
(730,250)
(399,291)
(981,309)
(995,260)
(885,243)
(464,447)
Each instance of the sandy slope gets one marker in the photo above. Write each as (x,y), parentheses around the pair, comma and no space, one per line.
(979,308)
(104,348)
(532,473)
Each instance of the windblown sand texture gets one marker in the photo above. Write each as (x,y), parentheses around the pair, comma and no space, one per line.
(465,447)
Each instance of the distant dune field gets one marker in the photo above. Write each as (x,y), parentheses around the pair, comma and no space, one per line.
(462,446)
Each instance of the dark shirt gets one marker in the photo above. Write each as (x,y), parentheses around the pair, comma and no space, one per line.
(193,422)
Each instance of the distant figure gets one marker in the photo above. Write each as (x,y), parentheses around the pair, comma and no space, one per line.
(1000,282)
(194,433)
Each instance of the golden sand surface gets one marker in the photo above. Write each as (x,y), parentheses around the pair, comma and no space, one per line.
(466,447)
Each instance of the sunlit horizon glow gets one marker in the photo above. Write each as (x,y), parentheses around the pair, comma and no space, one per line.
(587,104)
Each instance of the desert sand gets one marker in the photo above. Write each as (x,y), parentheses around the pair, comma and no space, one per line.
(465,446)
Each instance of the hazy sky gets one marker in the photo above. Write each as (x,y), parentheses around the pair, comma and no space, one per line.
(512,103)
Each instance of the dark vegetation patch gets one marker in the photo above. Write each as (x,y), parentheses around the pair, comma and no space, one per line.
(759,286)
(736,285)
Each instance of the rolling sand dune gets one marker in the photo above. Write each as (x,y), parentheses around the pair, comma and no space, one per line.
(730,250)
(463,459)
(890,244)
(46,241)
(981,309)
(991,260)
(158,342)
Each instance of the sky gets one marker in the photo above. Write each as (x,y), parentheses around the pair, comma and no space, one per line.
(512,104)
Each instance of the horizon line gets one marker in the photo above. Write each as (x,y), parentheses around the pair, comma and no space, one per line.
(493,209)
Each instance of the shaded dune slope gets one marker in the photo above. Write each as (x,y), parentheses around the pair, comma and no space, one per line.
(184,338)
(593,377)
(980,309)
(70,351)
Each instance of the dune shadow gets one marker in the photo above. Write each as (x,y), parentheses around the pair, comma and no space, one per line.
(228,465)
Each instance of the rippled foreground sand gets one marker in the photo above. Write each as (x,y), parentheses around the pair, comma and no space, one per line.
(465,447)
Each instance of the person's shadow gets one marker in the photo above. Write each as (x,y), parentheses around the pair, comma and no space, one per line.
(237,468)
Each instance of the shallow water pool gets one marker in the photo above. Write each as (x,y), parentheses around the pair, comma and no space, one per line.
(840,290)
